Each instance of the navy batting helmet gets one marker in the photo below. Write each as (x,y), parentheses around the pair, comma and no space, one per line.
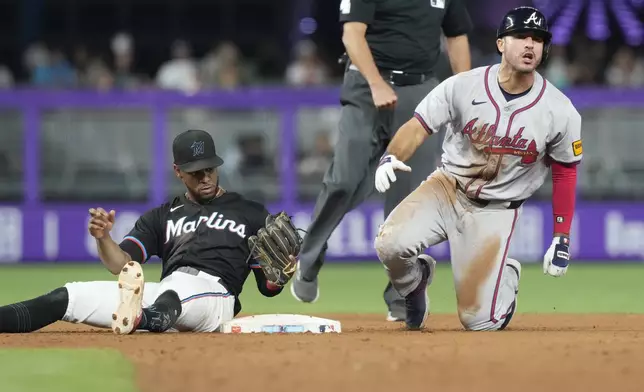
(523,20)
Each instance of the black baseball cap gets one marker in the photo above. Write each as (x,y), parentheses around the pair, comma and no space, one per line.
(194,150)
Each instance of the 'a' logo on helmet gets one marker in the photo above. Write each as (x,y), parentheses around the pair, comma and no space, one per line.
(533,18)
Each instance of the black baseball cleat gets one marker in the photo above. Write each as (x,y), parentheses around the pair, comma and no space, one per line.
(417,302)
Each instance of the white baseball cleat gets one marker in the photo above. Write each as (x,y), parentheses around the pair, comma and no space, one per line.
(130,309)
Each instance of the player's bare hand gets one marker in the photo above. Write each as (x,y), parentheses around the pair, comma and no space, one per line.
(385,173)
(383,95)
(101,222)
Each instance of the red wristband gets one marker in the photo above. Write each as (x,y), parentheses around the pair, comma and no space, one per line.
(272,286)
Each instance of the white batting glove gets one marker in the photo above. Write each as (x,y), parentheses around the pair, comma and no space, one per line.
(555,261)
(385,172)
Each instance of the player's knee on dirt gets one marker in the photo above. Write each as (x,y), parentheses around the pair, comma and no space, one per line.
(480,321)
(474,322)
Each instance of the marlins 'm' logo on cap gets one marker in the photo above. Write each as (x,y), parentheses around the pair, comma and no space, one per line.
(194,150)
(197,148)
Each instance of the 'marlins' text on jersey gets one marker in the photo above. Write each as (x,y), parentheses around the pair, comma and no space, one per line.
(215,221)
(209,237)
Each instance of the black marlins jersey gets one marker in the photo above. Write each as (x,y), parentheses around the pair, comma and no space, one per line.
(211,237)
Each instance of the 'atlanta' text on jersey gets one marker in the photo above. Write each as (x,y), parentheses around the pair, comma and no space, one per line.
(516,145)
(215,221)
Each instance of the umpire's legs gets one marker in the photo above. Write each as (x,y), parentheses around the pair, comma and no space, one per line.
(423,163)
(349,179)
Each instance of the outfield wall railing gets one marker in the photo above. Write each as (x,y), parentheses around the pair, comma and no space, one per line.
(64,152)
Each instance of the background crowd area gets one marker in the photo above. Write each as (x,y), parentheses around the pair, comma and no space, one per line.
(225,66)
(196,46)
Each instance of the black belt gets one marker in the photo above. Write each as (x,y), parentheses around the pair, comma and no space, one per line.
(514,204)
(399,78)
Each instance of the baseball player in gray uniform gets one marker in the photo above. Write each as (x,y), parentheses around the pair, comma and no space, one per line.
(507,127)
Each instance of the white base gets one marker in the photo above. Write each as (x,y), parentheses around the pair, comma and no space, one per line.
(281,323)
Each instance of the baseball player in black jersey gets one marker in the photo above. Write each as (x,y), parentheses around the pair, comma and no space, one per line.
(202,238)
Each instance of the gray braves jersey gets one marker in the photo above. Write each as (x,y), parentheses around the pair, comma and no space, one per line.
(499,150)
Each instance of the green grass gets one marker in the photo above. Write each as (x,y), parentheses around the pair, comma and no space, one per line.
(345,288)
(357,288)
(56,370)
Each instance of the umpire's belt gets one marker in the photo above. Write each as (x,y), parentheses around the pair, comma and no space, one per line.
(511,205)
(400,78)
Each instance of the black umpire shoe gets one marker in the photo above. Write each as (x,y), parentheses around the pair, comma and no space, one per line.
(417,302)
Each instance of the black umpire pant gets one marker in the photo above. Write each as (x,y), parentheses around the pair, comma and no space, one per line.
(363,135)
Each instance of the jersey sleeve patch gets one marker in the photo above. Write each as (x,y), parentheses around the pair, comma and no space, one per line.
(576,148)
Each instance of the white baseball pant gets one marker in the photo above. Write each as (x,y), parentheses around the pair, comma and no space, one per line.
(205,302)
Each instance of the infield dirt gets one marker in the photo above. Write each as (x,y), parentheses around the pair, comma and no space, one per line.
(537,353)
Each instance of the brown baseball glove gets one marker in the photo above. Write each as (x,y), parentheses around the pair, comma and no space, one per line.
(276,247)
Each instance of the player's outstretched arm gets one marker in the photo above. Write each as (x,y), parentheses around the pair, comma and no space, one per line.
(111,255)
